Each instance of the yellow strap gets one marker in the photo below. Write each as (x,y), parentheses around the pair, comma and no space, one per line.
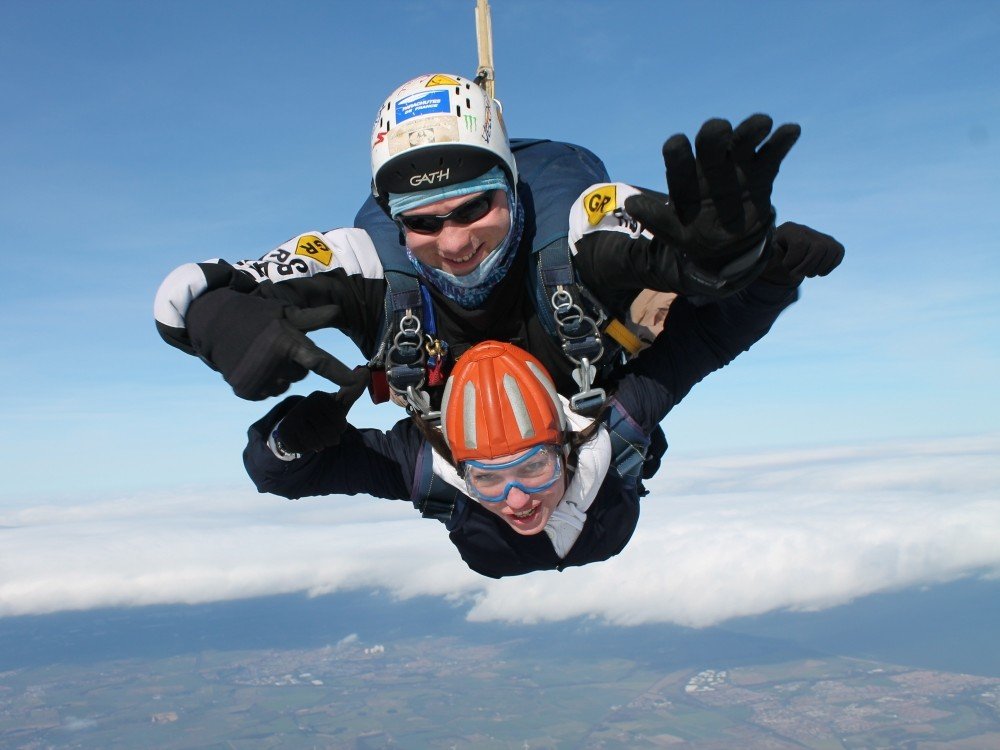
(617,330)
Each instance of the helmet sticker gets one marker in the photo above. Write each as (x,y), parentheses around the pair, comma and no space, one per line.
(600,202)
(488,124)
(441,80)
(422,103)
(440,129)
(313,247)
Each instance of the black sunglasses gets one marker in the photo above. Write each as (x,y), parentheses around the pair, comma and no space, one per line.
(469,212)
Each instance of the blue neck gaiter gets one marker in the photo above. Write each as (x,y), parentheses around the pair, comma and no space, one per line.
(471,290)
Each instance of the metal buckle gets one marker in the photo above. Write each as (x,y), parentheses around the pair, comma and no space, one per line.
(589,400)
(582,344)
(420,401)
(578,331)
(404,362)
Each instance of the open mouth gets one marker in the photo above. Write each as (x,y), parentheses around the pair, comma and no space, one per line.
(525,515)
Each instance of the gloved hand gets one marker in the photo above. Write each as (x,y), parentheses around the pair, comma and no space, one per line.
(654,453)
(318,421)
(258,344)
(720,202)
(799,251)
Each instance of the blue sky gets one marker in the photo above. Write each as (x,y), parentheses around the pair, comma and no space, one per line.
(138,136)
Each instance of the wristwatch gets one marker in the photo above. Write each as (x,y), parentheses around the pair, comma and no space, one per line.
(278,448)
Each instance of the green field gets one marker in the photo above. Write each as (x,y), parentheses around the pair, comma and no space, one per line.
(440,693)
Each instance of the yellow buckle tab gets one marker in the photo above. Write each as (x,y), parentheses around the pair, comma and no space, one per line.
(617,330)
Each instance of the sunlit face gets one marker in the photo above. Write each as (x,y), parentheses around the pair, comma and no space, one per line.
(459,248)
(526,513)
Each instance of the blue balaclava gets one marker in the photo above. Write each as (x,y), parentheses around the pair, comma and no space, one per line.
(471,290)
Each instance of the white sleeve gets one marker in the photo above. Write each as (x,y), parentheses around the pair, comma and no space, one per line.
(304,255)
(312,253)
(601,209)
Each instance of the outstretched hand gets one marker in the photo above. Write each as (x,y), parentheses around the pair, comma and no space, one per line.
(259,345)
(720,201)
(799,252)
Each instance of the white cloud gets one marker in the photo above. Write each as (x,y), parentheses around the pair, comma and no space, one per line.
(720,537)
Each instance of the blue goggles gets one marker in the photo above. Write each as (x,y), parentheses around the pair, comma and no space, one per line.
(534,472)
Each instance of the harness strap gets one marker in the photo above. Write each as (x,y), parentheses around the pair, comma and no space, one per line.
(574,318)
(402,351)
(432,495)
(628,444)
(620,333)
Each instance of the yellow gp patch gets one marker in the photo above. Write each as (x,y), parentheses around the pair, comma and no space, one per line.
(599,202)
(313,247)
(440,80)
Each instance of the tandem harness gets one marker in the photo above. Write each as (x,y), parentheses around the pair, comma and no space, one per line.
(409,356)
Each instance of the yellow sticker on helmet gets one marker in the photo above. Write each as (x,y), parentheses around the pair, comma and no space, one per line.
(313,247)
(440,80)
(599,202)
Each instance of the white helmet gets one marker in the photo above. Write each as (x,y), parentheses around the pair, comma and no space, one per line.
(437,130)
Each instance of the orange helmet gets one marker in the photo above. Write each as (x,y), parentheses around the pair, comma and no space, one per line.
(499,401)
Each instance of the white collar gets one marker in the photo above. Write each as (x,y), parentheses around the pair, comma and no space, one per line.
(566,522)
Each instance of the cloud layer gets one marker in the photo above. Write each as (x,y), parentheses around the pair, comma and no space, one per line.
(719,538)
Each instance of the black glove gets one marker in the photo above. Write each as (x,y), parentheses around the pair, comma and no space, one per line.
(654,453)
(258,344)
(318,421)
(720,209)
(799,251)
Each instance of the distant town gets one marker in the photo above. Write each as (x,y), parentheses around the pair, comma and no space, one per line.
(445,693)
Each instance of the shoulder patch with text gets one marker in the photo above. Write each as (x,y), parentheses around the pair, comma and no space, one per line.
(314,253)
(600,208)
(313,247)
(599,202)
